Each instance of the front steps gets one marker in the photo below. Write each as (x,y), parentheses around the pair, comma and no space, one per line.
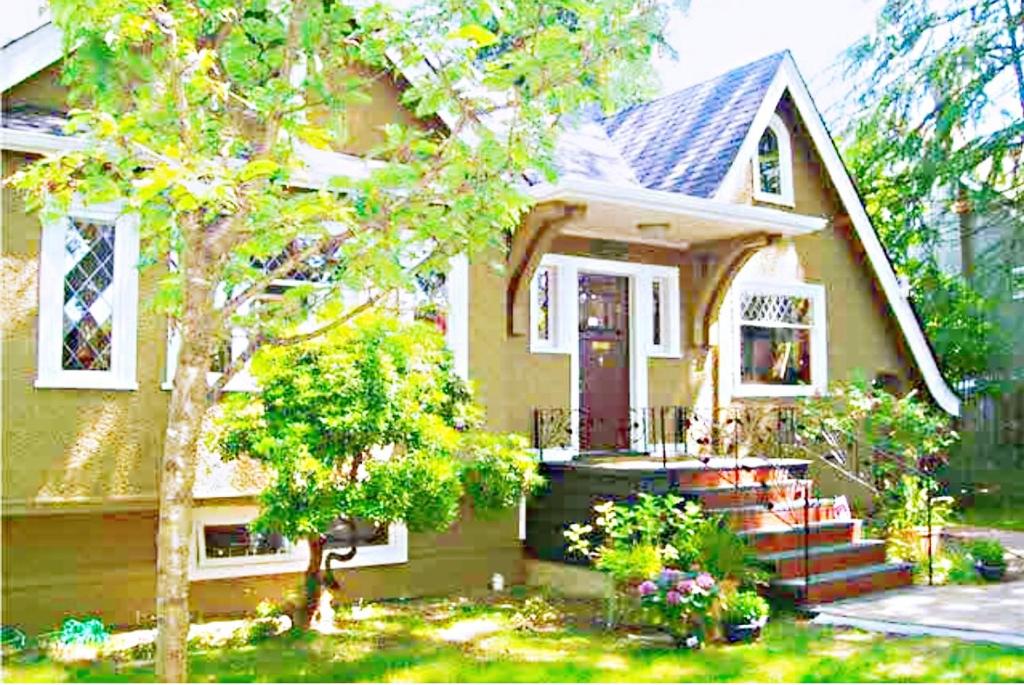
(763,499)
(767,506)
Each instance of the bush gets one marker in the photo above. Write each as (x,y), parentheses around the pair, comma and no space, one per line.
(727,556)
(632,541)
(987,551)
(743,608)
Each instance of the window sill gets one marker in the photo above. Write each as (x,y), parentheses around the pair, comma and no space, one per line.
(84,382)
(781,200)
(660,353)
(752,390)
(253,568)
(546,349)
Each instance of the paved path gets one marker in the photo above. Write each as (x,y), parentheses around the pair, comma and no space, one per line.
(984,613)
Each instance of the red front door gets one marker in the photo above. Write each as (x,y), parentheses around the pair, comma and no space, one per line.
(604,362)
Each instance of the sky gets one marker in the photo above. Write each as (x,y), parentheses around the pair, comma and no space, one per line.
(712,37)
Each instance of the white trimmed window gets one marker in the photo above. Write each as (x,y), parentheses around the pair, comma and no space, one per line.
(88,301)
(1017,282)
(780,340)
(773,164)
(234,347)
(664,314)
(544,309)
(225,546)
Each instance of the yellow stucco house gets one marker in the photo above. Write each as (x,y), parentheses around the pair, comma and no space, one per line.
(703,250)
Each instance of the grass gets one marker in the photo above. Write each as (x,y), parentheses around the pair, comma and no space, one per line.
(993,507)
(432,641)
(995,516)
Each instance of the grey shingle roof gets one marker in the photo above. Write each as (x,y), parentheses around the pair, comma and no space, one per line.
(682,143)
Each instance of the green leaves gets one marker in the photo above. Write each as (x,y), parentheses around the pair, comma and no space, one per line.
(371,421)
(476,34)
(931,134)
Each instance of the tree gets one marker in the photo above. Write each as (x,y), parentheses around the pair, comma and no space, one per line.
(368,422)
(200,114)
(937,130)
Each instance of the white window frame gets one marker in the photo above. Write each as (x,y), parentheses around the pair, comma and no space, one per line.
(819,340)
(785,197)
(125,295)
(670,344)
(551,342)
(1015,273)
(396,551)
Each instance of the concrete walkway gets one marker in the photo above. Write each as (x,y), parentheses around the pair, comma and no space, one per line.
(983,613)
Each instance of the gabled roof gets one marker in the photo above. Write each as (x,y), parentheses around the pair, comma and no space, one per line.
(680,143)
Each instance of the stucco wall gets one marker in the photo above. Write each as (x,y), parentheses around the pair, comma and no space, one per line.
(104,565)
(87,447)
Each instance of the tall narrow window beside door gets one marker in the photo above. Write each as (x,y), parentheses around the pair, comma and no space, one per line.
(781,340)
(656,314)
(543,296)
(88,290)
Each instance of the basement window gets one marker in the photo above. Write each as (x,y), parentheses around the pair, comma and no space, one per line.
(225,545)
(88,301)
(773,165)
(780,339)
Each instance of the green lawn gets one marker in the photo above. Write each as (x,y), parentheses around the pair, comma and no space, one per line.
(992,512)
(460,641)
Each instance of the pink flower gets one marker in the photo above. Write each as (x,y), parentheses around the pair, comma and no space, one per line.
(670,575)
(673,597)
(705,581)
(647,588)
(686,586)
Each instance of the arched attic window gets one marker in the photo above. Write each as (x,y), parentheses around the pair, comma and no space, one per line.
(773,165)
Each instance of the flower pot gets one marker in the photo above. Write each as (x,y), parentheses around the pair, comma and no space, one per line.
(990,572)
(744,632)
(917,539)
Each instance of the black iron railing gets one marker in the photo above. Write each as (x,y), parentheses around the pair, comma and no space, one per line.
(667,431)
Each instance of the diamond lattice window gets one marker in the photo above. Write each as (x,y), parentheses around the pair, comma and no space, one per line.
(776,334)
(88,296)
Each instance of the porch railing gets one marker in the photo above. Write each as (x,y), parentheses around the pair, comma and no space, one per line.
(666,432)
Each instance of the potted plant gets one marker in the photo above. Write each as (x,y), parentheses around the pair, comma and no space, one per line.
(906,516)
(989,557)
(744,614)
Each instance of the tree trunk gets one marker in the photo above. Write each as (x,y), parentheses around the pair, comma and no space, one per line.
(189,402)
(313,583)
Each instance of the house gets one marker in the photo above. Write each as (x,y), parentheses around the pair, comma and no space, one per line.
(703,250)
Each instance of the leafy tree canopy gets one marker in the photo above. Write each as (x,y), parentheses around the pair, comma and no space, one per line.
(937,125)
(370,422)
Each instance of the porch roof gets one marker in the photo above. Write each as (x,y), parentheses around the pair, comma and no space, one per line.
(656,217)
